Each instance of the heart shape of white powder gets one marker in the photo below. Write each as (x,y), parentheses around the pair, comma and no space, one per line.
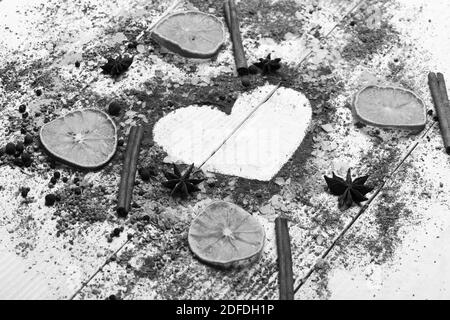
(257,150)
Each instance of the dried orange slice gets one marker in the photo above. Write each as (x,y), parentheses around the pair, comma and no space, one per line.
(191,34)
(389,107)
(225,235)
(84,138)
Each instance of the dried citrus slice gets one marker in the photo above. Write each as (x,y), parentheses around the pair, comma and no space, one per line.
(390,107)
(191,34)
(84,138)
(225,235)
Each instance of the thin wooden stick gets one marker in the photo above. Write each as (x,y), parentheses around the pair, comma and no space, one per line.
(129,170)
(440,98)
(285,273)
(232,20)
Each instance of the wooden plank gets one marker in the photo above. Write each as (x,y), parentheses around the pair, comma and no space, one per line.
(399,248)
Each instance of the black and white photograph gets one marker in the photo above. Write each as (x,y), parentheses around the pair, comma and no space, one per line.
(234,151)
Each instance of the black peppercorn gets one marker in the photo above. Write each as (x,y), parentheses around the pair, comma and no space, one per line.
(19,147)
(28,139)
(50,199)
(144,173)
(10,148)
(114,108)
(26,159)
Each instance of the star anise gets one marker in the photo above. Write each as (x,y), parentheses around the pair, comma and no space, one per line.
(349,191)
(268,65)
(181,184)
(115,67)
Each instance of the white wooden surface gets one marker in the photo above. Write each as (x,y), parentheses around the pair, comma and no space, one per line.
(417,267)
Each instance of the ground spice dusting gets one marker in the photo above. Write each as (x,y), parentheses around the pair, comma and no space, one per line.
(367,41)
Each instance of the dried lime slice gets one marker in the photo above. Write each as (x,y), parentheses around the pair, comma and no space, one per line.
(191,34)
(84,138)
(225,235)
(390,107)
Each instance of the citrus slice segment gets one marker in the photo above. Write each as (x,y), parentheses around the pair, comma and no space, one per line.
(84,138)
(225,235)
(390,107)
(191,34)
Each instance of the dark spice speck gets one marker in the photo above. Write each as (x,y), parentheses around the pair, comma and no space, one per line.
(19,147)
(26,159)
(114,108)
(28,139)
(50,199)
(24,191)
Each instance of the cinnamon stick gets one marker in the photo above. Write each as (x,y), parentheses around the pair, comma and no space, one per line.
(440,98)
(285,274)
(232,20)
(226,8)
(129,170)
